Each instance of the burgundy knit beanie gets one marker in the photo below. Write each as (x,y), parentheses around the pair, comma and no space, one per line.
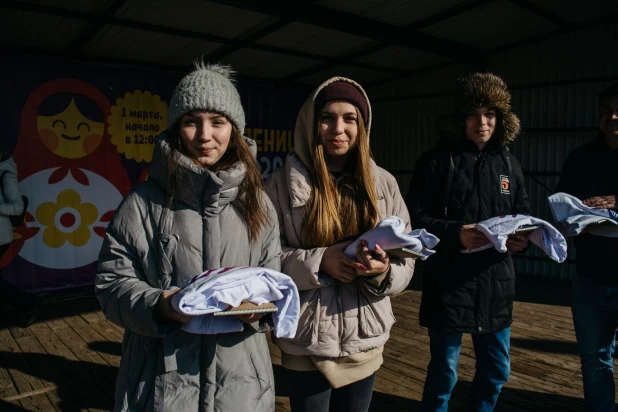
(343,91)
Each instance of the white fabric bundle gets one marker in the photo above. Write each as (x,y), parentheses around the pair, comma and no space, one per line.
(574,216)
(215,290)
(389,235)
(547,237)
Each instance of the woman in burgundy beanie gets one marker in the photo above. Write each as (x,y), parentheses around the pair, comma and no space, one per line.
(328,193)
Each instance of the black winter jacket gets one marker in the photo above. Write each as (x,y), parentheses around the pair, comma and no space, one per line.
(466,292)
(592,170)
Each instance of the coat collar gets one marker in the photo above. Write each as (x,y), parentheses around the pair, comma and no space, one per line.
(199,188)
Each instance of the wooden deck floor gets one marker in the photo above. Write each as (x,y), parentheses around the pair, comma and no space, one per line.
(68,359)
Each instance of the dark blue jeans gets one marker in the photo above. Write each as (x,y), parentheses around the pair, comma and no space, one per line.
(493,366)
(595,316)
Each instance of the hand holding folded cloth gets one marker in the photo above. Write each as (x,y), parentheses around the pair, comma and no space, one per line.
(575,216)
(389,235)
(499,230)
(215,291)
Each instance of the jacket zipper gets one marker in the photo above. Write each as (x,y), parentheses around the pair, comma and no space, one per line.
(340,312)
(479,159)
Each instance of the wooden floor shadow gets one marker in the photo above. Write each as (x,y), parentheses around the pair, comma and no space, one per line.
(111,348)
(529,288)
(9,407)
(80,385)
(543,290)
(51,310)
(547,346)
(382,402)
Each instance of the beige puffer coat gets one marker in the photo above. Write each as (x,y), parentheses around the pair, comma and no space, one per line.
(337,319)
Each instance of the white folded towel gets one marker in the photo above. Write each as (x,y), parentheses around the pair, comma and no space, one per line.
(546,237)
(389,235)
(574,216)
(215,290)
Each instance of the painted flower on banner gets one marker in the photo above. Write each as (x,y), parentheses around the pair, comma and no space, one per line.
(67,219)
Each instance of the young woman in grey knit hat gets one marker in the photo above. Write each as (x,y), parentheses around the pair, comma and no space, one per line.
(203,207)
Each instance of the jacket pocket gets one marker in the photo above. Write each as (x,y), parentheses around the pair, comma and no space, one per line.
(260,361)
(144,356)
(309,320)
(375,315)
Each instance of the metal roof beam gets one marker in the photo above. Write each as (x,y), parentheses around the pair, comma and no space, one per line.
(559,32)
(323,66)
(448,13)
(226,51)
(51,10)
(540,11)
(241,44)
(610,18)
(89,32)
(91,17)
(324,17)
(436,18)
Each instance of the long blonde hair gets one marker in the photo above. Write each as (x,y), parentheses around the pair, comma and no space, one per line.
(349,207)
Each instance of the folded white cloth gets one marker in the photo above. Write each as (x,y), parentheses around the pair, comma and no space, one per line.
(215,290)
(574,216)
(389,235)
(547,237)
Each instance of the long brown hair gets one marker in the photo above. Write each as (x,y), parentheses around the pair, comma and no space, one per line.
(249,203)
(345,208)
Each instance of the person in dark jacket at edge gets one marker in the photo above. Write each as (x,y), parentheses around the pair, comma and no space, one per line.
(469,177)
(590,173)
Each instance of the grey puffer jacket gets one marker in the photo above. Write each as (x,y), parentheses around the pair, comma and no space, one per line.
(11,202)
(148,248)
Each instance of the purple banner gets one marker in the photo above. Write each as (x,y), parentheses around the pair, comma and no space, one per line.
(82,136)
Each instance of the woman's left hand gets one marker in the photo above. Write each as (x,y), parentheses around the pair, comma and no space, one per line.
(376,262)
(517,243)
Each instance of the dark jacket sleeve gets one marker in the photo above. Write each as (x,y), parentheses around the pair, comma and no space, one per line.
(521,204)
(425,201)
(568,176)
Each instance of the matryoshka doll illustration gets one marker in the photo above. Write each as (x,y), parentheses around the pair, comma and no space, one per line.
(73,178)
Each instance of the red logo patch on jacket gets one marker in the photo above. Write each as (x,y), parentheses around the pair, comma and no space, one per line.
(505,185)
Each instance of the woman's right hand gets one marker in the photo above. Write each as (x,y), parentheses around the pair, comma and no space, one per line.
(338,265)
(165,310)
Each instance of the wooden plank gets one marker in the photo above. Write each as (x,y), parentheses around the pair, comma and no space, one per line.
(89,335)
(545,368)
(70,372)
(16,365)
(103,374)
(554,381)
(282,404)
(7,387)
(40,369)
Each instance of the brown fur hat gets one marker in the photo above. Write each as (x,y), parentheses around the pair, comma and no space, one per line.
(484,89)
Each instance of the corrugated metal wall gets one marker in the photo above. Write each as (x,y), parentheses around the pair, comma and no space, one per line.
(555,85)
(406,128)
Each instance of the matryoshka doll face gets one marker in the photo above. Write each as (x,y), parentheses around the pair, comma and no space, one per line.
(70,134)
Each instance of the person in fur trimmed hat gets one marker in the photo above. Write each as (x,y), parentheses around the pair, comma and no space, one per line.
(469,177)
(590,174)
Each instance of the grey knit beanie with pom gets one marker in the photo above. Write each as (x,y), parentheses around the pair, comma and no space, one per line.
(209,87)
